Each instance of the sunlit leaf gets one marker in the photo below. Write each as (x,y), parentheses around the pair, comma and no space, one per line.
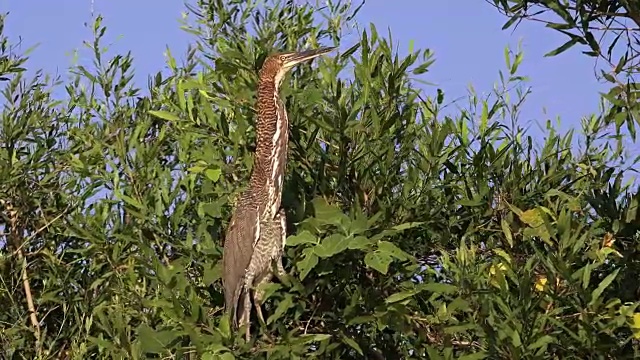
(164,115)
(378,260)
(604,284)
(213,174)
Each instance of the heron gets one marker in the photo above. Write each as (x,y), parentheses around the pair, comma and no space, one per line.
(256,234)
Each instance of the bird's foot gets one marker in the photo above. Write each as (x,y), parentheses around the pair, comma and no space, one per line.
(281,274)
(268,337)
(285,279)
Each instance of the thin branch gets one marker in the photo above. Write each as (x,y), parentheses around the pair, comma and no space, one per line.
(15,240)
(29,297)
(38,231)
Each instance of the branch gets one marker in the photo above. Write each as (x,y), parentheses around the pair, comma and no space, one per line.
(14,231)
(633,11)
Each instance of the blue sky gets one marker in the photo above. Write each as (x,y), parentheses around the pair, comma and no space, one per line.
(466,37)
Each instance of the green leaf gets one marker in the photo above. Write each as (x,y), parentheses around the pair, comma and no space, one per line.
(393,250)
(510,22)
(351,343)
(515,339)
(471,202)
(359,243)
(217,352)
(378,260)
(439,288)
(331,245)
(269,289)
(484,118)
(400,296)
(595,295)
(327,214)
(155,342)
(358,225)
(308,338)
(213,174)
(532,217)
(213,209)
(308,262)
(506,230)
(408,225)
(459,328)
(475,356)
(542,341)
(225,326)
(421,69)
(564,47)
(131,201)
(212,273)
(282,308)
(365,319)
(305,237)
(586,275)
(196,169)
(164,115)
(503,254)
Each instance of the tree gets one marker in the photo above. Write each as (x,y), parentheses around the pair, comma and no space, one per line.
(608,30)
(412,234)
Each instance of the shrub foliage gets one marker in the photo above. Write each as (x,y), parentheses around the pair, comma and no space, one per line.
(416,229)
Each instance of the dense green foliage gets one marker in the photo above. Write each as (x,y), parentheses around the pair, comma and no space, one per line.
(416,232)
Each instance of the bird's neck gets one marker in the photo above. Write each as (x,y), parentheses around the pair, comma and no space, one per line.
(272,127)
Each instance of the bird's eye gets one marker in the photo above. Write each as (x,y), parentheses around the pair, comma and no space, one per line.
(283,58)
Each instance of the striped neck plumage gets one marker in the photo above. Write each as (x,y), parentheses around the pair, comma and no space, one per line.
(271,147)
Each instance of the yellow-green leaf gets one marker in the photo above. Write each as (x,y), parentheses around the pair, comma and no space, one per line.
(507,231)
(213,174)
(532,217)
(331,245)
(225,326)
(282,308)
(351,343)
(378,260)
(131,201)
(307,263)
(400,296)
(595,294)
(305,237)
(359,243)
(164,115)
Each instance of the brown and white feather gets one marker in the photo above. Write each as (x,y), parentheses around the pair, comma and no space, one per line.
(248,248)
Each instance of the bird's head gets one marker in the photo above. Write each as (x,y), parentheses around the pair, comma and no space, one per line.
(277,65)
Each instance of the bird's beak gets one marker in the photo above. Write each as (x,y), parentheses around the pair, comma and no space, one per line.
(307,55)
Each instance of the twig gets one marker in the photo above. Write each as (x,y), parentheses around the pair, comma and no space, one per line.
(27,290)
(38,231)
(309,321)
(15,236)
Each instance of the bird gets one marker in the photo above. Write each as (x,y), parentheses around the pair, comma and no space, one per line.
(256,234)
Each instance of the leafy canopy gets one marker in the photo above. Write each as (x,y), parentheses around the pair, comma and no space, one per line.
(414,231)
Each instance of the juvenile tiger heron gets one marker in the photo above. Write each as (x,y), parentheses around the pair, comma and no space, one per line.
(255,238)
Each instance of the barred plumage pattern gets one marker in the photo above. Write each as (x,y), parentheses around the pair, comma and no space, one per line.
(244,229)
(265,253)
(255,237)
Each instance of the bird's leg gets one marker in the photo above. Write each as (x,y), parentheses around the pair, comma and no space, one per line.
(258,294)
(244,317)
(280,272)
(246,314)
(280,268)
(236,296)
(274,232)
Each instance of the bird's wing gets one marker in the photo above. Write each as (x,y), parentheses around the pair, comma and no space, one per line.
(240,237)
